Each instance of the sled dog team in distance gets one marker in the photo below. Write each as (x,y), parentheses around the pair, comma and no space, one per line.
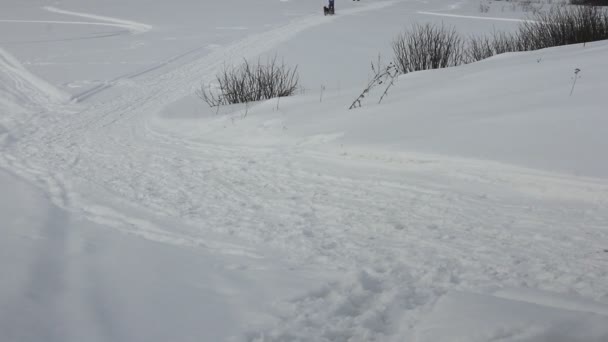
(330,8)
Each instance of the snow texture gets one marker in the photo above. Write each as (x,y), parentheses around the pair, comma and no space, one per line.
(470,205)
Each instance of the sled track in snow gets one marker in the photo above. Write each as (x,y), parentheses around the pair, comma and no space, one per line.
(24,86)
(408,222)
(154,92)
(132,26)
(476,17)
(70,137)
(22,94)
(61,22)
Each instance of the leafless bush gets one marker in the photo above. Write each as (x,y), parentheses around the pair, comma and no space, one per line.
(426,47)
(484,8)
(556,27)
(482,47)
(590,2)
(526,5)
(563,26)
(382,76)
(250,82)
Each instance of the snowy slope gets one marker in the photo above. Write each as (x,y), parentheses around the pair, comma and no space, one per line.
(471,205)
(518,105)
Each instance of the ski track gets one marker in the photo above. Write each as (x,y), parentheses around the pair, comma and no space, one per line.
(472,17)
(59,22)
(108,84)
(133,26)
(22,95)
(25,86)
(399,252)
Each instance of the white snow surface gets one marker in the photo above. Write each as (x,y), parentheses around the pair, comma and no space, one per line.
(470,205)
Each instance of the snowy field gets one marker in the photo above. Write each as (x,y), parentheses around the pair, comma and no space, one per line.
(470,205)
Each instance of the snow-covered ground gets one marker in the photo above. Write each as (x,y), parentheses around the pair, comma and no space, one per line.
(470,205)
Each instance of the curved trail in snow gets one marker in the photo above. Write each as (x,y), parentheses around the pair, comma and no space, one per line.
(26,85)
(175,84)
(132,26)
(128,27)
(404,231)
(472,17)
(22,94)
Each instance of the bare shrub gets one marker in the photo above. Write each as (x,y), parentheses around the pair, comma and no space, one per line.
(558,26)
(383,75)
(563,26)
(250,82)
(482,47)
(432,47)
(590,2)
(527,6)
(426,47)
(484,8)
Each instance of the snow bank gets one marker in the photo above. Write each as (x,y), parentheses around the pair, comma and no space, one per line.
(512,108)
